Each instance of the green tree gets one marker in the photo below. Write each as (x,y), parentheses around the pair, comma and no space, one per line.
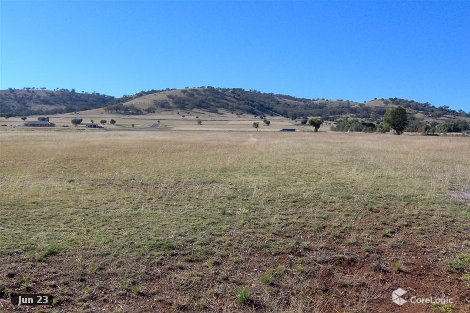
(256,125)
(396,119)
(315,123)
(112,122)
(77,121)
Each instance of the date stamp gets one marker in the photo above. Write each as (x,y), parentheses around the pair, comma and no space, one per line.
(31,299)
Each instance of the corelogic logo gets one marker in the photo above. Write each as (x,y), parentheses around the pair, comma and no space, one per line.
(397,296)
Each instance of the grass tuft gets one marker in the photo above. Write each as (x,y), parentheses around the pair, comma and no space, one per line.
(244,296)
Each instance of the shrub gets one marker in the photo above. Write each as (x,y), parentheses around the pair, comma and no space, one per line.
(354,125)
(77,121)
(452,126)
(112,122)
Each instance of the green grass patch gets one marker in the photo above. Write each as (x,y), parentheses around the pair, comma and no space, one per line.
(460,264)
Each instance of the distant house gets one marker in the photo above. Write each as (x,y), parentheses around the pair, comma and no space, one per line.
(90,125)
(39,124)
(288,130)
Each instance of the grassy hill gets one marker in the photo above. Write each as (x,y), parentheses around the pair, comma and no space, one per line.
(14,102)
(18,102)
(240,101)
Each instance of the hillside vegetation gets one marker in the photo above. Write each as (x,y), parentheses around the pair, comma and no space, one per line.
(14,102)
(240,101)
(29,101)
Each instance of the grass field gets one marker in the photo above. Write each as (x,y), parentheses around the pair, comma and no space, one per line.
(162,221)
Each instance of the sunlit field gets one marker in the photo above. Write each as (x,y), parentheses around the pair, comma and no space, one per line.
(162,221)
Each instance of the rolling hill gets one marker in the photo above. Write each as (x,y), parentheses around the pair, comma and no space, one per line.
(240,101)
(29,101)
(15,102)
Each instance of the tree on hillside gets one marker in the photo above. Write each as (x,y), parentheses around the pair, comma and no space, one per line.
(112,122)
(76,121)
(396,119)
(199,122)
(315,123)
(24,118)
(102,122)
(256,125)
(151,110)
(266,122)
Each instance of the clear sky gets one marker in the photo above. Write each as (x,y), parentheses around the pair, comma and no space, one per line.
(355,50)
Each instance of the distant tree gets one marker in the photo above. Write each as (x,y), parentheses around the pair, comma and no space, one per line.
(304,121)
(150,110)
(103,122)
(256,125)
(112,122)
(92,121)
(24,118)
(267,122)
(424,128)
(382,128)
(315,123)
(347,125)
(133,125)
(199,122)
(76,121)
(452,126)
(396,119)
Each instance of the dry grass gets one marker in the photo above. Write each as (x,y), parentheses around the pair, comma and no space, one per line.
(166,120)
(174,221)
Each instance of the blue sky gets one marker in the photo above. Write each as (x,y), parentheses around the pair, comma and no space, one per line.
(355,50)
